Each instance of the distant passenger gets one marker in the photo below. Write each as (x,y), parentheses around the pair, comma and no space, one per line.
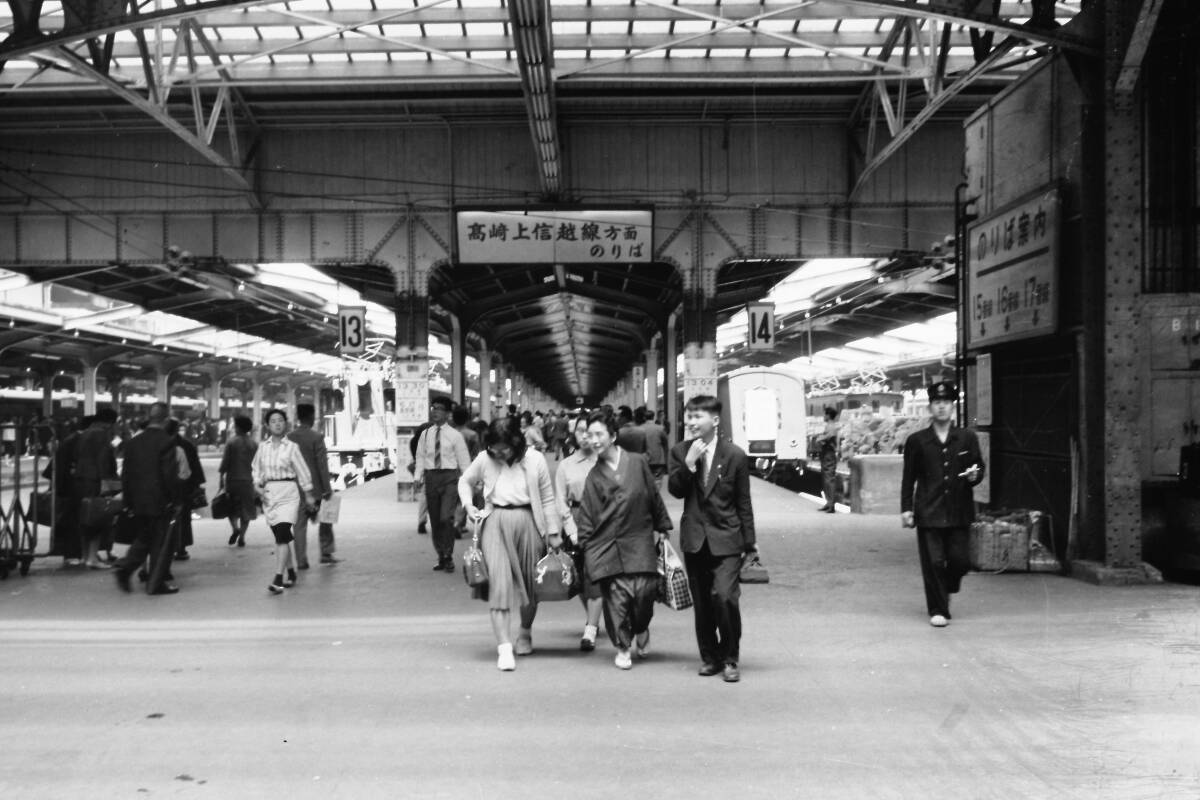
(440,459)
(532,432)
(712,477)
(237,479)
(828,442)
(942,464)
(312,447)
(95,466)
(630,438)
(569,479)
(657,445)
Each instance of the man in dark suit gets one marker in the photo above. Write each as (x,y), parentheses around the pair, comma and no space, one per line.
(712,477)
(942,464)
(150,476)
(316,456)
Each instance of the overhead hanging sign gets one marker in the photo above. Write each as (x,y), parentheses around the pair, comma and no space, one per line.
(352,330)
(1012,283)
(761,326)
(555,236)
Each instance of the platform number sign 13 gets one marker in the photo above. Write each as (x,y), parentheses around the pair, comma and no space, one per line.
(761,319)
(352,330)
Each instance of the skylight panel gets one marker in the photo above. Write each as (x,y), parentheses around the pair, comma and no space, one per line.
(859,25)
(308,5)
(402,31)
(407,55)
(312,31)
(767,52)
(610,26)
(491,55)
(777,25)
(688,52)
(652,26)
(570,53)
(443,29)
(685,26)
(329,57)
(276,33)
(485,29)
(370,56)
(290,58)
(604,53)
(480,3)
(817,25)
(568,27)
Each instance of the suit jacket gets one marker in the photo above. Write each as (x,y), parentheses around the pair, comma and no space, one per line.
(931,488)
(316,456)
(149,475)
(719,512)
(656,443)
(95,460)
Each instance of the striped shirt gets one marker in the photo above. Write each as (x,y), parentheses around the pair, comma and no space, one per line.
(280,461)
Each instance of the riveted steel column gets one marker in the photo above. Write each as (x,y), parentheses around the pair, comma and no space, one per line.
(485,384)
(1123,262)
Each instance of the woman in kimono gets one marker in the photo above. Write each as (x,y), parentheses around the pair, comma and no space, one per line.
(622,518)
(569,478)
(520,517)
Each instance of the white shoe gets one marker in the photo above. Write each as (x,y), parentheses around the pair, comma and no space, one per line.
(642,645)
(506,662)
(623,660)
(938,621)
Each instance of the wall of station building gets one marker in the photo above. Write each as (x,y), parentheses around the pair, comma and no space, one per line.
(799,173)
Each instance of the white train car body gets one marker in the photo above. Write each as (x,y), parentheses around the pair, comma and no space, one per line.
(765,415)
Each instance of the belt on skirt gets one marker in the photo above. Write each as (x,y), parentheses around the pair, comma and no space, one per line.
(527,505)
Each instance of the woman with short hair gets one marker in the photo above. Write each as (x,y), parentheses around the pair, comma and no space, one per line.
(519,519)
(569,478)
(622,518)
(280,475)
(237,479)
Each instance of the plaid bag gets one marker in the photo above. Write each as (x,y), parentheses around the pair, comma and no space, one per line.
(474,570)
(673,591)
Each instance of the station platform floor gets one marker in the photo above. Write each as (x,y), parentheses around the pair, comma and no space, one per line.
(376,677)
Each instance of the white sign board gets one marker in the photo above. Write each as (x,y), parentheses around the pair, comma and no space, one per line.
(638,384)
(761,321)
(412,393)
(699,377)
(352,330)
(555,236)
(983,389)
(1012,283)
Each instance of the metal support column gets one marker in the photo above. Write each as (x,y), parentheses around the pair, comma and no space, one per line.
(651,357)
(485,384)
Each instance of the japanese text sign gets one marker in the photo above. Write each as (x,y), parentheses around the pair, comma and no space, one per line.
(1012,283)
(552,236)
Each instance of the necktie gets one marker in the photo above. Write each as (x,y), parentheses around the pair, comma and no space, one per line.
(701,470)
(437,447)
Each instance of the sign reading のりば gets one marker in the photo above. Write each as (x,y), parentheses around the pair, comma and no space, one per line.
(1012,282)
(554,236)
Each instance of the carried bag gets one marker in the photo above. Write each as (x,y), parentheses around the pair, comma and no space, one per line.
(673,590)
(199,498)
(99,512)
(43,503)
(554,577)
(330,509)
(752,570)
(474,570)
(222,505)
(125,528)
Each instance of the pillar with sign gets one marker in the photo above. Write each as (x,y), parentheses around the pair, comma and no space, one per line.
(411,376)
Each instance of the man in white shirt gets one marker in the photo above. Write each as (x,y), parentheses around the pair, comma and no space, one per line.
(440,459)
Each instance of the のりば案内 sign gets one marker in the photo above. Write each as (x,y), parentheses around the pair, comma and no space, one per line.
(554,236)
(1012,279)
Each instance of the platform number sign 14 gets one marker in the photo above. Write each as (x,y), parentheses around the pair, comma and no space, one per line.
(761,319)
(352,330)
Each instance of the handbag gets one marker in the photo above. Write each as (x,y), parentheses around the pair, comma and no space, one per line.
(474,569)
(752,570)
(43,504)
(221,506)
(554,577)
(99,512)
(673,590)
(330,510)
(199,498)
(124,530)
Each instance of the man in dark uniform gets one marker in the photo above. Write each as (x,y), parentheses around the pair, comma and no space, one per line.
(941,465)
(829,459)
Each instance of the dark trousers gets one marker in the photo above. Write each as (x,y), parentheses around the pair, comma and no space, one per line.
(715,595)
(829,477)
(628,606)
(441,498)
(151,537)
(944,561)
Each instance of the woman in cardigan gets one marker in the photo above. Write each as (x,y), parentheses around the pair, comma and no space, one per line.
(621,520)
(519,519)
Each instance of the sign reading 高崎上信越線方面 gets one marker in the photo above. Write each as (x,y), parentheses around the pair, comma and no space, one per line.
(554,236)
(1012,281)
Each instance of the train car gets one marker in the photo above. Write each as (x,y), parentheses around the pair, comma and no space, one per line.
(878,403)
(764,415)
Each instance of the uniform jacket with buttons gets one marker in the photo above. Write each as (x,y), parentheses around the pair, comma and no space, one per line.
(931,487)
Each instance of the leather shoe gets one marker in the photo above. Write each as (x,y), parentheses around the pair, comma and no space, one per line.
(731,674)
(708,669)
(123,581)
(182,555)
(330,560)
(439,566)
(166,588)
(233,537)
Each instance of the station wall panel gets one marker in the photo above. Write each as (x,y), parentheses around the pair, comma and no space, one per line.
(190,232)
(141,237)
(43,239)
(237,237)
(93,238)
(877,231)
(8,238)
(297,238)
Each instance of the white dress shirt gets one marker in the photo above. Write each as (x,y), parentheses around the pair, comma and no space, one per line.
(453,446)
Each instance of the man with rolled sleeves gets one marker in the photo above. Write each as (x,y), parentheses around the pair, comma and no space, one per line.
(441,458)
(312,447)
(942,464)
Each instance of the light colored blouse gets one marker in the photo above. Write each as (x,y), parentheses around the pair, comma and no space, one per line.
(511,488)
(539,488)
(569,478)
(280,461)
